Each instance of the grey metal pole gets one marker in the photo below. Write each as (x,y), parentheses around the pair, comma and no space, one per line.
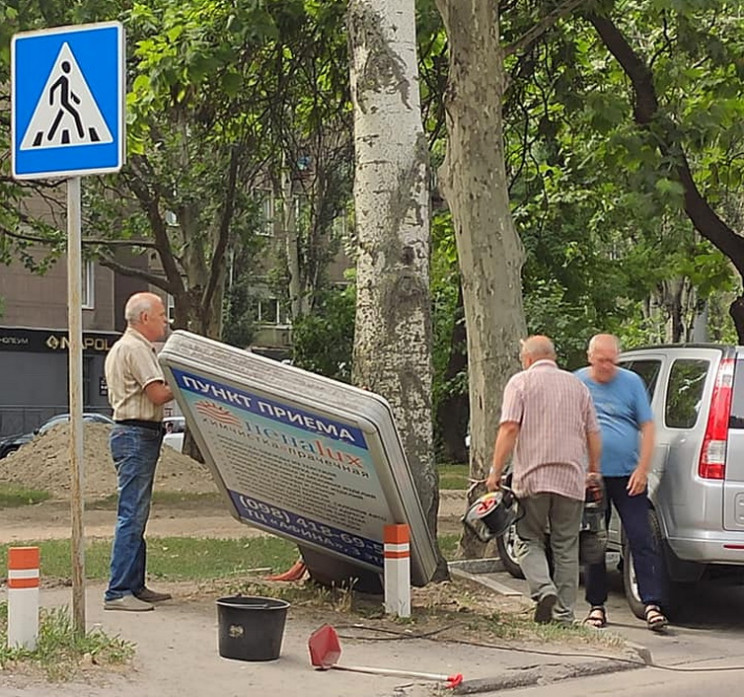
(75,352)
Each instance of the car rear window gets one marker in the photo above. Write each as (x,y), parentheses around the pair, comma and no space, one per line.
(736,420)
(685,392)
(648,370)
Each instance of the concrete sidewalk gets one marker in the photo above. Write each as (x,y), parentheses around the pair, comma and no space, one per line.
(177,655)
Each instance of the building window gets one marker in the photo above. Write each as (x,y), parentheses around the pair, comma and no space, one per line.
(266,209)
(270,311)
(87,299)
(170,306)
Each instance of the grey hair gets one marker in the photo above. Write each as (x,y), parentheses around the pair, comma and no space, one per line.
(138,304)
(538,347)
(604,339)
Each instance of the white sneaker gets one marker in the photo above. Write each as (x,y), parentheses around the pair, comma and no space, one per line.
(127,602)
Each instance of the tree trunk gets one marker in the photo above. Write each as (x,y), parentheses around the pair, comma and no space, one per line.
(392,341)
(291,243)
(473,180)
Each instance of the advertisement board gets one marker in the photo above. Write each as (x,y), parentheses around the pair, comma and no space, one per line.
(296,454)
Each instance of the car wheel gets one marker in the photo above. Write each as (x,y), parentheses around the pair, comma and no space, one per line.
(671,592)
(8,451)
(507,547)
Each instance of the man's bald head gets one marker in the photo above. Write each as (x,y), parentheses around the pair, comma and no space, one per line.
(602,354)
(537,348)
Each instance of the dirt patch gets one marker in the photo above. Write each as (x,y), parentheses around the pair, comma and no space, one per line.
(44,464)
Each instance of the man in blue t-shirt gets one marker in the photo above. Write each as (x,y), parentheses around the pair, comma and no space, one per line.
(627,428)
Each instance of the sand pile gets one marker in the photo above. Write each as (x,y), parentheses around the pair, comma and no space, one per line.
(43,464)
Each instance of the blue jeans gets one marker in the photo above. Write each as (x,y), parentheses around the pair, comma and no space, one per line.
(633,512)
(135,451)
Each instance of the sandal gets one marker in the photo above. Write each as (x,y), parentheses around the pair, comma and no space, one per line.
(597,617)
(655,619)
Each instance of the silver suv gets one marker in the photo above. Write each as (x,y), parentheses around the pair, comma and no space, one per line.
(696,486)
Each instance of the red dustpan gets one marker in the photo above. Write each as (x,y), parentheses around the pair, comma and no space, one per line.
(325,650)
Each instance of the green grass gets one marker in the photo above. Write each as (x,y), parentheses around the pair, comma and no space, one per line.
(448,545)
(12,496)
(60,651)
(453,476)
(188,559)
(176,558)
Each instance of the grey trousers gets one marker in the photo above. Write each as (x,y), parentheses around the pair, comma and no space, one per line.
(562,517)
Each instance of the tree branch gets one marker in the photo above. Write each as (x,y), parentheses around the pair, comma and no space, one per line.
(223,234)
(132,272)
(646,113)
(542,26)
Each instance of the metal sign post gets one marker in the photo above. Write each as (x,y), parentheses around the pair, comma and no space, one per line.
(67,120)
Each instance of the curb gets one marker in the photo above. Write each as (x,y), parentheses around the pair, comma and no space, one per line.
(544,676)
(499,588)
(474,571)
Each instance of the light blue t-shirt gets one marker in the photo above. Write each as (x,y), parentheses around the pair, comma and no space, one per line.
(622,406)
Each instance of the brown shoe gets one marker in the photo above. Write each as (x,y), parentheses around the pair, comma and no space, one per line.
(150,596)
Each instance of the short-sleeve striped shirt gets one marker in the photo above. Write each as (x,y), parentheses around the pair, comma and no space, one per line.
(131,365)
(555,412)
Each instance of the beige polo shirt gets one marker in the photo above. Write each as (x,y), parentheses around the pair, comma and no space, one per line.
(131,365)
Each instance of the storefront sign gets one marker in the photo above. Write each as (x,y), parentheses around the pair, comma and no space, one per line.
(52,340)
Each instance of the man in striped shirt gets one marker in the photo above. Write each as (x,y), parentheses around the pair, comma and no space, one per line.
(549,423)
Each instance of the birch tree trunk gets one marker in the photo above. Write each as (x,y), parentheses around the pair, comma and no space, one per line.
(473,181)
(392,341)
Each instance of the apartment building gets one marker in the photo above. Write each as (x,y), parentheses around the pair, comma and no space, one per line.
(34,340)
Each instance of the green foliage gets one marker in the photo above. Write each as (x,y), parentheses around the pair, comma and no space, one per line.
(445,286)
(597,202)
(322,341)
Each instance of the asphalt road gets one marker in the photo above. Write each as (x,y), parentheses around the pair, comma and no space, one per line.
(708,633)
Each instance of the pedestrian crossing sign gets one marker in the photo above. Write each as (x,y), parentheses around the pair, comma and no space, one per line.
(68,94)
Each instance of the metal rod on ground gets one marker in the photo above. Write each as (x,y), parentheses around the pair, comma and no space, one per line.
(397,570)
(23,597)
(75,355)
(325,650)
(451,680)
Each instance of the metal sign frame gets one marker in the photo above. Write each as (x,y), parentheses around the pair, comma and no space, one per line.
(297,454)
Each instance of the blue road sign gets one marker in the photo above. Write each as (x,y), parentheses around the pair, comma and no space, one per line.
(68,95)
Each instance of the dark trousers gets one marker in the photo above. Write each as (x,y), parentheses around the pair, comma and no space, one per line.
(633,512)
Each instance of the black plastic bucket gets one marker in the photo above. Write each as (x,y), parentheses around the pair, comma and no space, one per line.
(251,628)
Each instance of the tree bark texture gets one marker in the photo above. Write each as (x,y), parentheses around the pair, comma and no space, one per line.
(473,180)
(392,341)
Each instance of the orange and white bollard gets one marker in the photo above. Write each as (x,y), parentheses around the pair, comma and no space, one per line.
(397,571)
(23,597)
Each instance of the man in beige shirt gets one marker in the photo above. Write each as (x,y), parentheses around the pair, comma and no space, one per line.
(548,421)
(137,392)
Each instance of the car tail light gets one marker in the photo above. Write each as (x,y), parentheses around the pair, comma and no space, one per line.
(713,454)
